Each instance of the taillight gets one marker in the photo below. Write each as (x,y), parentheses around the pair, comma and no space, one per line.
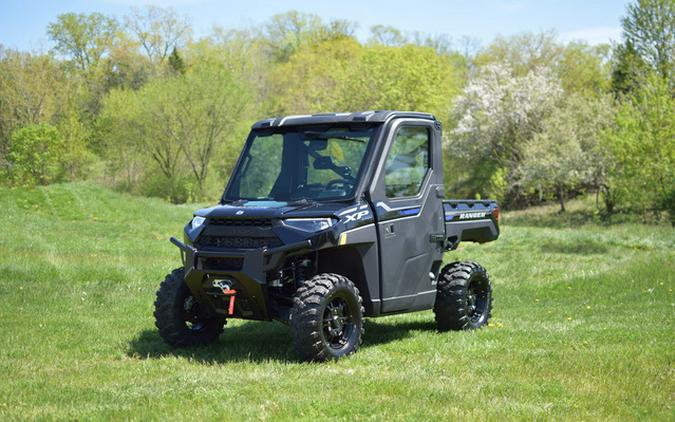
(495,214)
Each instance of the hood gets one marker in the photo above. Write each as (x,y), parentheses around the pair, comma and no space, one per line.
(272,209)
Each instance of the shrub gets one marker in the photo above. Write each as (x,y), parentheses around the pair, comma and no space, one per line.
(36,156)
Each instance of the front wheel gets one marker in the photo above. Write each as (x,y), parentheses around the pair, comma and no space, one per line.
(326,318)
(179,317)
(464,297)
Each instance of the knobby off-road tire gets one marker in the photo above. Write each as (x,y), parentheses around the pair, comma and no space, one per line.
(464,297)
(326,319)
(178,317)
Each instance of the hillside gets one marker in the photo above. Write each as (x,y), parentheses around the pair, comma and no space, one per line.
(582,329)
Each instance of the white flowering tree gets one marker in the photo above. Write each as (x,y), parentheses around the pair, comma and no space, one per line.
(498,114)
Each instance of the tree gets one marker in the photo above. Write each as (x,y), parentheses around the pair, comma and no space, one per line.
(179,123)
(205,116)
(524,52)
(387,35)
(498,113)
(629,70)
(244,53)
(158,31)
(125,67)
(581,68)
(315,78)
(566,153)
(122,139)
(407,78)
(176,62)
(85,39)
(649,26)
(343,75)
(286,33)
(36,156)
(33,90)
(584,70)
(642,145)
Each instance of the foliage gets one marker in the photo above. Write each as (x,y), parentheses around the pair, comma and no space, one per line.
(31,89)
(393,37)
(580,68)
(158,31)
(566,153)
(629,69)
(36,156)
(286,33)
(526,117)
(643,147)
(498,113)
(179,123)
(35,92)
(85,39)
(176,62)
(649,26)
(343,75)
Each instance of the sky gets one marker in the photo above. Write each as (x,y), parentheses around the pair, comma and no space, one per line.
(23,23)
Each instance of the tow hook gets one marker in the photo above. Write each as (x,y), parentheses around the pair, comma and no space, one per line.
(228,291)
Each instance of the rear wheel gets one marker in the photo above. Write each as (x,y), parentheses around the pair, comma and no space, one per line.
(179,316)
(327,318)
(464,297)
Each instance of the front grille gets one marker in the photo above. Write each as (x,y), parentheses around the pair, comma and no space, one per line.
(222,264)
(238,233)
(238,242)
(241,222)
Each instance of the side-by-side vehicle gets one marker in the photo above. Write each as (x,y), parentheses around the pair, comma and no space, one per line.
(327,219)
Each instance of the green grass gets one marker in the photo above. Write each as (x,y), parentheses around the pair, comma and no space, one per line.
(582,329)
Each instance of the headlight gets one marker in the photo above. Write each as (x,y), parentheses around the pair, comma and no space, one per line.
(310,224)
(197,222)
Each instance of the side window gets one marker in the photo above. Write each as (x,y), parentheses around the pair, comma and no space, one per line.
(407,162)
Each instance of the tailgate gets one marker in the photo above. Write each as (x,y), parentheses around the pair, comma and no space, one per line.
(470,221)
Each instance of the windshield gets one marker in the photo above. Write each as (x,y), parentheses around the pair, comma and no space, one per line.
(317,163)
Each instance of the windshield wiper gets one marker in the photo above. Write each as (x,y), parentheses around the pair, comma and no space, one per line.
(321,135)
(302,201)
(235,202)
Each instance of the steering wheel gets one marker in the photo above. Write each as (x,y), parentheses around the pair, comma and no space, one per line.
(346,183)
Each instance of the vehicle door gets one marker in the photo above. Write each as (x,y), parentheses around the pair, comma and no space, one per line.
(406,194)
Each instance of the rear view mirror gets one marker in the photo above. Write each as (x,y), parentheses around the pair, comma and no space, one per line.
(323,163)
(317,145)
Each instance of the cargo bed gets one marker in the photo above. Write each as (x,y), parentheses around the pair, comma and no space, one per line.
(470,221)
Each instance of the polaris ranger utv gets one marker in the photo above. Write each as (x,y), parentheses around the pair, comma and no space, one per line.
(327,219)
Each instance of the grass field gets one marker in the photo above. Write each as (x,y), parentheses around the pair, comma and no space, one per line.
(583,328)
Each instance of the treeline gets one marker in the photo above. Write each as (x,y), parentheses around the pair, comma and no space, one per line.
(140,104)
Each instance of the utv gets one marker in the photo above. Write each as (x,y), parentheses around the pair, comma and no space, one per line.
(327,219)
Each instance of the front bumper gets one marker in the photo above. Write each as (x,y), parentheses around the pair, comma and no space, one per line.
(248,275)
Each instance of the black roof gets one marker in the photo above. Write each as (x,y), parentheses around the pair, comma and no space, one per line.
(322,118)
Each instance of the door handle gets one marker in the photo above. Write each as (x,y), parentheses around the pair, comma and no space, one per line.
(389,230)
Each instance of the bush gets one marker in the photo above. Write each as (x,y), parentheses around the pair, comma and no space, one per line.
(36,156)
(178,190)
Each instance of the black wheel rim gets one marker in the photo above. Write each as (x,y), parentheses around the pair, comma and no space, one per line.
(191,314)
(338,322)
(477,301)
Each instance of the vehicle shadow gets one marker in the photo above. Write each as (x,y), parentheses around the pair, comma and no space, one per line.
(259,342)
